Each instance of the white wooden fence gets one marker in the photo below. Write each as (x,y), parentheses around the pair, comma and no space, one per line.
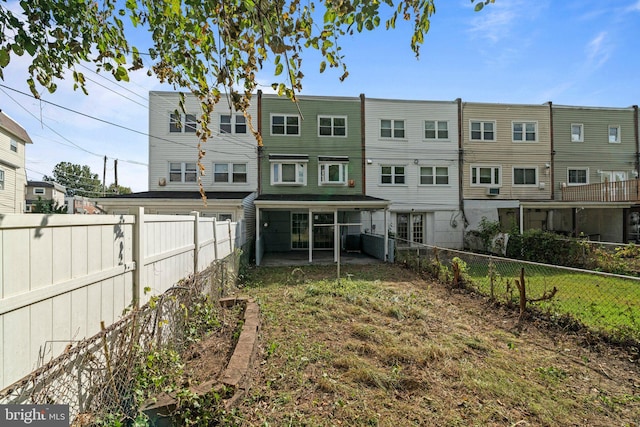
(61,275)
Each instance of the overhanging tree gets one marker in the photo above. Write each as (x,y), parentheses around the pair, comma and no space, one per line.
(78,179)
(203,46)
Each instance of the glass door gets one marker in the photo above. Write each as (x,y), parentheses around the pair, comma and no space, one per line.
(323,230)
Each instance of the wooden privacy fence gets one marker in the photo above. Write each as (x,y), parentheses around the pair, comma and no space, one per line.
(61,275)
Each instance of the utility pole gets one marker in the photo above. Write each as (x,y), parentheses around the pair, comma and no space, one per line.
(104,176)
(115,169)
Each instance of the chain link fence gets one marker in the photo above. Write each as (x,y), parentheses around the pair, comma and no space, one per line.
(606,304)
(96,376)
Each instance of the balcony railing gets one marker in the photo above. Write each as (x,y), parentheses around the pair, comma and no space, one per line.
(618,191)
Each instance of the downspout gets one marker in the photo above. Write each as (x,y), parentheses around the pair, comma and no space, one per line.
(362,144)
(553,152)
(637,136)
(460,159)
(259,151)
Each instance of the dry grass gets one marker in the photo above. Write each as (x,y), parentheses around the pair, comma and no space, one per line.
(387,348)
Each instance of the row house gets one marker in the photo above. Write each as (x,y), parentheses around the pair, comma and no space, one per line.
(13,176)
(227,174)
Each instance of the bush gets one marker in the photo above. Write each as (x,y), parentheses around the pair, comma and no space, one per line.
(549,248)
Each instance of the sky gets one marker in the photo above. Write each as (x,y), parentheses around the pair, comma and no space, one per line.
(570,52)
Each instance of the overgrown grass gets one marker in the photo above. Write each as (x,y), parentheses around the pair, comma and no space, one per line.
(387,348)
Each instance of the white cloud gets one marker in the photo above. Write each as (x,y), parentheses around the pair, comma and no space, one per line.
(598,50)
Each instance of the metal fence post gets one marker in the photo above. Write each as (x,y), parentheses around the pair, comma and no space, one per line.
(138,257)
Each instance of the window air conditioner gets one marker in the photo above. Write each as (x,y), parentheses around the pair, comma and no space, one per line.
(493,191)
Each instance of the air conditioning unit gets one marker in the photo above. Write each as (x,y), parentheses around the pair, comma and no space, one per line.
(541,185)
(493,191)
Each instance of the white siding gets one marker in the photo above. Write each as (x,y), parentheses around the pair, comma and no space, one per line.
(439,202)
(15,180)
(165,146)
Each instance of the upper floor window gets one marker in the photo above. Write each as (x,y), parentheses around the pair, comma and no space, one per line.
(288,173)
(332,126)
(578,176)
(486,175)
(1,179)
(183,172)
(525,176)
(392,175)
(435,129)
(483,131)
(182,123)
(284,124)
(38,191)
(235,173)
(524,131)
(577,132)
(434,175)
(235,123)
(391,128)
(13,145)
(333,170)
(614,134)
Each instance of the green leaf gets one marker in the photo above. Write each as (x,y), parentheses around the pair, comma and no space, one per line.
(323,66)
(4,58)
(479,7)
(279,69)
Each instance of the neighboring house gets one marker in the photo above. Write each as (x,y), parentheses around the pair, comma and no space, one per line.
(595,171)
(47,191)
(412,161)
(506,161)
(311,175)
(13,177)
(228,170)
(82,205)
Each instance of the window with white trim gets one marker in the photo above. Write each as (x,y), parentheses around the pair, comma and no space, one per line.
(392,175)
(235,173)
(391,128)
(410,228)
(233,124)
(482,176)
(38,191)
(577,132)
(224,217)
(525,131)
(333,173)
(577,176)
(1,179)
(288,173)
(284,124)
(436,129)
(182,123)
(614,134)
(183,172)
(434,175)
(525,175)
(332,126)
(13,145)
(482,131)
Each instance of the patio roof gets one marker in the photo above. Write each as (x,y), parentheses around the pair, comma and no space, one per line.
(352,201)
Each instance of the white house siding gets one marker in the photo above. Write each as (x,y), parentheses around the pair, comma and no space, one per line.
(15,180)
(166,146)
(439,203)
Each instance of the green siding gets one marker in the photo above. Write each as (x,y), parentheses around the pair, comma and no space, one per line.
(309,143)
(595,152)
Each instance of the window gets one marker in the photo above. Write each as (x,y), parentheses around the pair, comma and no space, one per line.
(221,173)
(1,179)
(434,175)
(38,191)
(391,128)
(614,134)
(13,145)
(285,125)
(183,172)
(578,176)
(392,175)
(332,126)
(434,129)
(176,121)
(524,131)
(525,176)
(483,131)
(224,217)
(485,175)
(577,134)
(333,173)
(239,124)
(288,174)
